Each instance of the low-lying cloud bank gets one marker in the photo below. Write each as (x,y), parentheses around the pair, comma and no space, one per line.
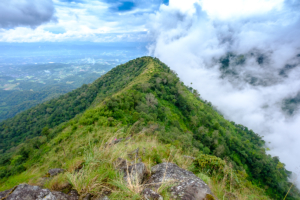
(245,60)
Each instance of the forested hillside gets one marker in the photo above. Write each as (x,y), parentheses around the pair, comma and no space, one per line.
(24,86)
(30,123)
(13,102)
(142,98)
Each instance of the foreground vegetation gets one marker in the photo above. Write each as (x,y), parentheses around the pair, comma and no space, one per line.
(98,175)
(146,101)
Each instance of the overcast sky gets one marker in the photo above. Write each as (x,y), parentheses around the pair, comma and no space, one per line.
(191,36)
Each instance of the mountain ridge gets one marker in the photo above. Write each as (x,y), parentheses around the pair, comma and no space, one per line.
(145,94)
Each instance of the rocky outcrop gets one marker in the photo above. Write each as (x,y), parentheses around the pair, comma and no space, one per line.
(121,164)
(187,185)
(55,171)
(135,173)
(183,184)
(149,194)
(132,173)
(5,193)
(28,192)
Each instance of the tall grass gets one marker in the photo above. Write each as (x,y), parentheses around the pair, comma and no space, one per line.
(89,160)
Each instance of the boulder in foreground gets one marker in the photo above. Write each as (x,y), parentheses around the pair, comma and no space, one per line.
(187,185)
(28,192)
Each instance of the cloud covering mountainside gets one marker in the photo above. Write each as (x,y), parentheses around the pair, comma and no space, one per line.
(245,60)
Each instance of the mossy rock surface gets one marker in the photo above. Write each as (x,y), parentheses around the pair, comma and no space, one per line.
(209,197)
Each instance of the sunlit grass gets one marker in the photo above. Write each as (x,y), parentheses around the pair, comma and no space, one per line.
(92,153)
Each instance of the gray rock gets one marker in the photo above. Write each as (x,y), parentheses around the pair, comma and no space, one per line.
(28,192)
(134,154)
(135,173)
(103,198)
(149,194)
(121,164)
(187,185)
(74,193)
(63,196)
(132,172)
(5,193)
(55,171)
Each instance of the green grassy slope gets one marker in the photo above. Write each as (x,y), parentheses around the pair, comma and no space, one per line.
(146,100)
(30,123)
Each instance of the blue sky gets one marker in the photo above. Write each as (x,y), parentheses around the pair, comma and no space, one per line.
(76,20)
(107,20)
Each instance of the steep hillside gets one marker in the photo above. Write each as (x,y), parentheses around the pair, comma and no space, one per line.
(14,102)
(145,101)
(25,86)
(30,123)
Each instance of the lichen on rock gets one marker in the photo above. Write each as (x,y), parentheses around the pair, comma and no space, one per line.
(187,186)
(28,192)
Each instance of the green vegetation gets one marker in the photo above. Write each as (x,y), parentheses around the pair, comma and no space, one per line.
(291,105)
(98,174)
(143,99)
(30,123)
(13,102)
(46,81)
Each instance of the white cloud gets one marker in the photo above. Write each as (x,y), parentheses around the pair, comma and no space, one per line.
(239,8)
(186,6)
(192,40)
(30,13)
